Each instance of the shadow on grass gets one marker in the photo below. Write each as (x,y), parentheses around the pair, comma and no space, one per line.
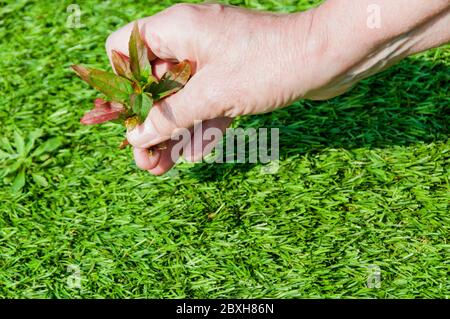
(405,105)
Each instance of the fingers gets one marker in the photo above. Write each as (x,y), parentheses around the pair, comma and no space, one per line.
(170,155)
(146,159)
(205,138)
(192,147)
(167,159)
(195,102)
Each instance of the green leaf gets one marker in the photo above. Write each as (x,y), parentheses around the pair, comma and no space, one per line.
(147,103)
(19,181)
(32,137)
(12,168)
(172,81)
(4,143)
(19,143)
(4,155)
(3,174)
(141,105)
(136,102)
(48,146)
(139,64)
(40,180)
(113,86)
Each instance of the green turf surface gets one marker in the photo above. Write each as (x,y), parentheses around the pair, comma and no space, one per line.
(363,180)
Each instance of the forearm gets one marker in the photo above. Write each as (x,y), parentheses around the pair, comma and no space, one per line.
(374,23)
(364,37)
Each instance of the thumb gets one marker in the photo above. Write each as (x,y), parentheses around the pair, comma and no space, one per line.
(195,102)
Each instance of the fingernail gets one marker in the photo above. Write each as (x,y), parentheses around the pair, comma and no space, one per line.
(146,158)
(161,146)
(143,136)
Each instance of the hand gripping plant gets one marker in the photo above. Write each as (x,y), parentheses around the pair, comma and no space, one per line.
(133,90)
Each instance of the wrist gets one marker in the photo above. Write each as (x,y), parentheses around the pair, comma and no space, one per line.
(293,49)
(314,61)
(352,48)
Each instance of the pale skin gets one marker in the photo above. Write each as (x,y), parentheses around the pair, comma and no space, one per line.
(250,62)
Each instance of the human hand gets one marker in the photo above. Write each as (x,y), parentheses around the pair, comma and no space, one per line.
(249,62)
(245,62)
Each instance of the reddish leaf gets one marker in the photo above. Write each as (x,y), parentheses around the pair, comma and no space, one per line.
(172,81)
(103,111)
(121,64)
(82,72)
(180,72)
(101,103)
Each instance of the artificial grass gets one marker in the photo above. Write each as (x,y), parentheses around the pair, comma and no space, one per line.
(363,180)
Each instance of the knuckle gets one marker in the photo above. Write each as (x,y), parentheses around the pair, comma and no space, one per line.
(213,97)
(186,13)
(231,111)
(221,96)
(183,10)
(225,98)
(216,7)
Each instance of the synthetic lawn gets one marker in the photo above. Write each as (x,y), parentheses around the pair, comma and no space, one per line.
(363,182)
